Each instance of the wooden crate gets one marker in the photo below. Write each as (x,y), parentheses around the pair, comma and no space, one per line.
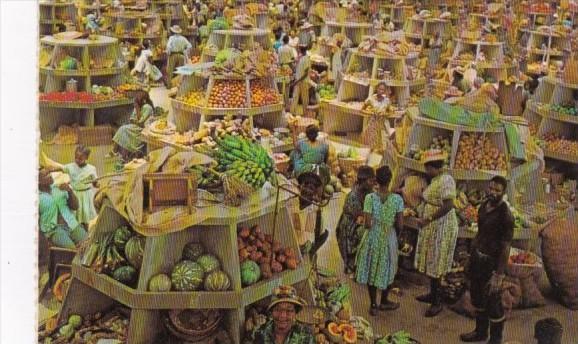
(95,136)
(170,189)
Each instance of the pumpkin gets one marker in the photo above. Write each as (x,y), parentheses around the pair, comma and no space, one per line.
(133,250)
(209,263)
(187,276)
(160,283)
(121,236)
(217,281)
(250,273)
(125,274)
(193,250)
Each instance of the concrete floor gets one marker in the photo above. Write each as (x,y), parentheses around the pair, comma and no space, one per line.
(443,329)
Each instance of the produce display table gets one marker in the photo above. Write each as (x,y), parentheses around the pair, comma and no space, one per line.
(553,116)
(397,14)
(545,50)
(240,39)
(99,62)
(91,292)
(420,30)
(51,14)
(488,58)
(352,30)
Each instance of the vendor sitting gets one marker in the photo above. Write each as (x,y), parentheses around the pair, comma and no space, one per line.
(310,154)
(56,206)
(283,328)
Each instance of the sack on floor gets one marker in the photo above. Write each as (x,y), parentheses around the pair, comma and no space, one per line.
(560,254)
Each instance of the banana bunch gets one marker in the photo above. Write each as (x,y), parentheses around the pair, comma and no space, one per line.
(244,159)
(461,202)
(403,48)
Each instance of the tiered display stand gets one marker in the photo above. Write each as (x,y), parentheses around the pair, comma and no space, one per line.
(419,30)
(545,48)
(52,13)
(86,6)
(352,30)
(135,27)
(190,117)
(260,18)
(397,14)
(241,39)
(423,130)
(449,6)
(101,63)
(553,91)
(172,13)
(338,116)
(492,64)
(91,292)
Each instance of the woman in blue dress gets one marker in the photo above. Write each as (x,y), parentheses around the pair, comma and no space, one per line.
(377,256)
(310,154)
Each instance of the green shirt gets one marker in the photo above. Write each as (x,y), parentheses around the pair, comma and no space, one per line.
(299,334)
(50,205)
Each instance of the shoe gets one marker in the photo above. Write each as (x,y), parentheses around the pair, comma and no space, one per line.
(480,333)
(425,298)
(434,310)
(389,306)
(496,329)
(373,310)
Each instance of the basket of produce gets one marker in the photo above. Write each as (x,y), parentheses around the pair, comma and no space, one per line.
(281,162)
(350,160)
(193,323)
(400,337)
(523,263)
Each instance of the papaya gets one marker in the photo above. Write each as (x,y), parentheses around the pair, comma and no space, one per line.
(334,329)
(350,337)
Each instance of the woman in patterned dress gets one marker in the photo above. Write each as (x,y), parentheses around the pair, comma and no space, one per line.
(378,104)
(377,256)
(351,220)
(439,232)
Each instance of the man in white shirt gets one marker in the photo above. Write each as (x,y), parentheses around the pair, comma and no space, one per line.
(178,48)
(287,54)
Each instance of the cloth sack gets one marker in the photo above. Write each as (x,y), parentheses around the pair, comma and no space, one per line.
(560,255)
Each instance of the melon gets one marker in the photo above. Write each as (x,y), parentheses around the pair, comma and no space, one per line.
(187,276)
(125,274)
(250,273)
(193,250)
(133,250)
(160,283)
(217,281)
(209,263)
(121,236)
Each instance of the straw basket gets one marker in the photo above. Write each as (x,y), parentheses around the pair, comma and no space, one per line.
(523,270)
(177,328)
(350,165)
(282,165)
(303,123)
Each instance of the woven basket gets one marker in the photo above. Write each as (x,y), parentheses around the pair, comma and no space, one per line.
(282,166)
(303,123)
(174,325)
(348,164)
(523,270)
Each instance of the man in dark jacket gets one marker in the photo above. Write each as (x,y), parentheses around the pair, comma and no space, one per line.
(489,258)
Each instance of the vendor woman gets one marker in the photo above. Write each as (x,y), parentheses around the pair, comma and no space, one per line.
(310,153)
(439,231)
(126,141)
(377,104)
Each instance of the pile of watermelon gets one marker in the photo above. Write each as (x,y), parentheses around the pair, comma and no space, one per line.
(198,270)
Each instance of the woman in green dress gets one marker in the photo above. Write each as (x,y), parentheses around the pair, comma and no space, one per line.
(348,230)
(377,256)
(310,154)
(439,231)
(127,140)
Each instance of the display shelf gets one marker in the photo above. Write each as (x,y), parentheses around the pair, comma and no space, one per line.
(240,39)
(189,116)
(172,13)
(419,30)
(51,14)
(259,15)
(99,62)
(397,14)
(543,111)
(546,47)
(163,251)
(352,30)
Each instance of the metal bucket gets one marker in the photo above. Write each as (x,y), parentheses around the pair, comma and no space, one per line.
(72,86)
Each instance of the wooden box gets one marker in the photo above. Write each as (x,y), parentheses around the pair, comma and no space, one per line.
(95,136)
(166,189)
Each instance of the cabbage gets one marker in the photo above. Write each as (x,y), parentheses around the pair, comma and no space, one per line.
(68,63)
(224,55)
(217,24)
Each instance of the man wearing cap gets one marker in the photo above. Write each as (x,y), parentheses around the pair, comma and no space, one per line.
(177,49)
(282,328)
(307,35)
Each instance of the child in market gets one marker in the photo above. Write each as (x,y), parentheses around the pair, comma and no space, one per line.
(144,67)
(83,181)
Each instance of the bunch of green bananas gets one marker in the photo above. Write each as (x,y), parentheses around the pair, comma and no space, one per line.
(244,159)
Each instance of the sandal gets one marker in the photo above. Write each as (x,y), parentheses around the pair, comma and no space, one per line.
(373,310)
(389,306)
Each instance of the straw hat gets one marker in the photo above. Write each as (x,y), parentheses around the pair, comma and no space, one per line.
(433,155)
(176,29)
(286,293)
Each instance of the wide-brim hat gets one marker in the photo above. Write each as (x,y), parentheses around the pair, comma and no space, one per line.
(287,294)
(433,155)
(176,29)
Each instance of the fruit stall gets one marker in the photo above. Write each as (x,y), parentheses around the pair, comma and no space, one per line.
(545,48)
(84,7)
(52,14)
(420,28)
(353,30)
(397,14)
(79,83)
(378,59)
(222,39)
(172,13)
(133,28)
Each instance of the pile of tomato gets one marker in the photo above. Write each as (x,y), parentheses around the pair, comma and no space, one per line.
(82,97)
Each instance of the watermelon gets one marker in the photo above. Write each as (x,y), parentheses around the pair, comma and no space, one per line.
(209,263)
(187,276)
(133,250)
(193,251)
(160,283)
(121,236)
(250,273)
(217,281)
(125,274)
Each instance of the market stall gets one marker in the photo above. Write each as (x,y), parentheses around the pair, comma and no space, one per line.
(545,48)
(80,82)
(52,14)
(420,28)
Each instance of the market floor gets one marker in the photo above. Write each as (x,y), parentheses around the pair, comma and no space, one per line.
(443,329)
